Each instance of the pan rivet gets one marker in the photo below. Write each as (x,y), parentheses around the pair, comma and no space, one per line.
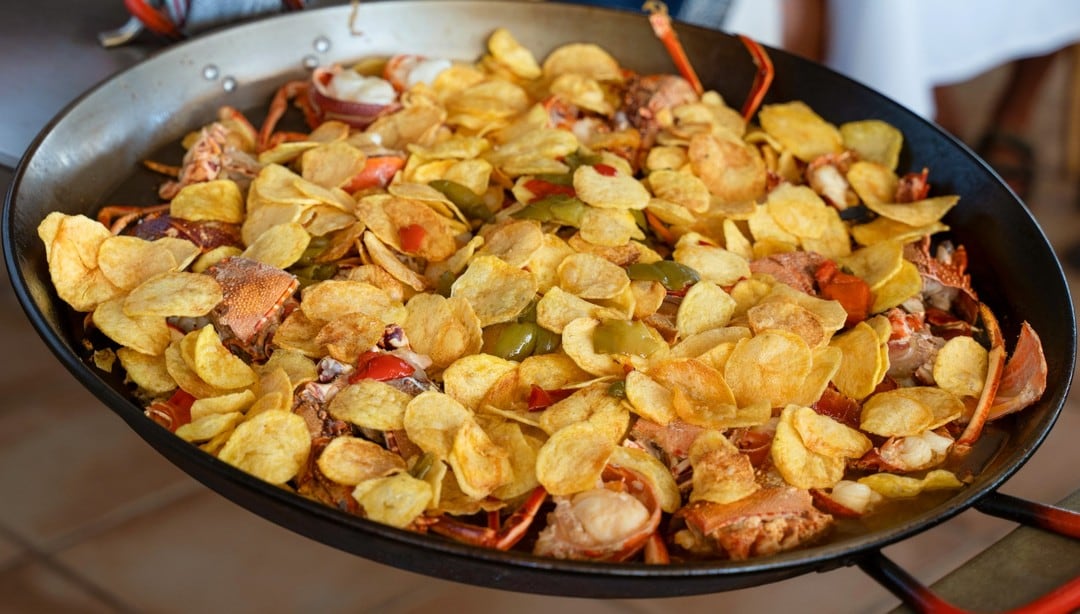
(311,62)
(210,72)
(228,83)
(322,44)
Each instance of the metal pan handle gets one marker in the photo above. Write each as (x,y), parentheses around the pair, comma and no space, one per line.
(920,598)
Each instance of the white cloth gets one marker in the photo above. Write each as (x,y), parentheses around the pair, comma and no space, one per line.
(903,48)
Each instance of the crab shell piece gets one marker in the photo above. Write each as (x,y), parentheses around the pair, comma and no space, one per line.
(254,297)
(608,523)
(771,520)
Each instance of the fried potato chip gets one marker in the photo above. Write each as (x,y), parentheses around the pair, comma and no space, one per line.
(682,188)
(944,405)
(884,229)
(797,209)
(591,277)
(349,335)
(72,243)
(332,165)
(497,291)
(666,158)
(584,59)
(895,414)
(649,399)
(700,396)
(590,404)
(609,227)
(825,365)
(469,378)
(617,191)
(714,264)
(960,366)
(522,455)
(534,152)
(382,256)
(395,500)
(653,470)
(918,213)
(298,368)
(216,365)
(695,345)
(298,333)
(798,128)
(572,459)
(583,92)
(371,404)
(184,375)
(515,242)
(174,294)
(444,329)
(352,460)
(706,306)
(906,283)
(432,420)
(577,342)
(862,366)
(550,372)
(510,53)
(769,367)
(790,317)
(146,371)
(216,200)
(128,261)
(873,140)
(209,426)
(235,402)
(273,446)
(478,463)
(279,246)
(874,183)
(824,435)
(733,170)
(904,487)
(876,263)
(145,334)
(722,474)
(798,465)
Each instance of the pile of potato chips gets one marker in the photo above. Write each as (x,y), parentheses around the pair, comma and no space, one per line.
(516,249)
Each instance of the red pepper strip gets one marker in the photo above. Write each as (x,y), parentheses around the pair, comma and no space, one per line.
(661,26)
(380,367)
(377,173)
(542,399)
(542,189)
(762,80)
(850,291)
(412,238)
(605,169)
(173,413)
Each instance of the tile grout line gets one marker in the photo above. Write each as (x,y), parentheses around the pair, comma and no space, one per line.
(32,555)
(166,496)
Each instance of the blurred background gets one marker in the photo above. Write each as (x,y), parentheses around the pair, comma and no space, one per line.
(94,520)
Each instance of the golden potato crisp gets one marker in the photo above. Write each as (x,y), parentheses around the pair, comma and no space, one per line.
(479,464)
(396,500)
(146,371)
(174,294)
(918,213)
(699,394)
(894,414)
(800,466)
(722,474)
(649,466)
(592,277)
(874,140)
(706,306)
(272,446)
(572,459)
(371,404)
(432,420)
(469,378)
(497,291)
(128,261)
(863,364)
(798,128)
(510,53)
(216,365)
(823,435)
(584,59)
(145,334)
(769,367)
(351,460)
(218,200)
(903,487)
(960,366)
(649,399)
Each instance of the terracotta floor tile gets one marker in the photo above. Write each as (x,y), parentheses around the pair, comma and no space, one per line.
(67,464)
(10,551)
(39,588)
(204,554)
